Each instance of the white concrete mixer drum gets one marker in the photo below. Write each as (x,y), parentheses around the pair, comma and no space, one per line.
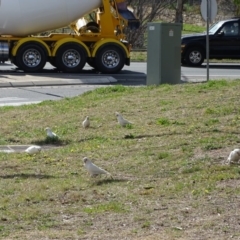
(26,17)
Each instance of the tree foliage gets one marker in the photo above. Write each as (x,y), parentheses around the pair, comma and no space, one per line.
(237,4)
(146,11)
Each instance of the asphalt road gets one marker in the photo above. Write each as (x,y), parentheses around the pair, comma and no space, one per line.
(216,71)
(131,75)
(51,87)
(29,95)
(138,70)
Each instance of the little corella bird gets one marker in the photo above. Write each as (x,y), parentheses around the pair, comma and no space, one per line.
(234,156)
(33,149)
(123,122)
(51,134)
(92,169)
(86,122)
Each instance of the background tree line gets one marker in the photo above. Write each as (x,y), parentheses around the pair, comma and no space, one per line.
(150,10)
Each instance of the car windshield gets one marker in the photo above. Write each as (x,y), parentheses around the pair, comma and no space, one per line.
(215,27)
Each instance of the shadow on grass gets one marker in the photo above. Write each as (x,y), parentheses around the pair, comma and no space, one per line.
(93,138)
(12,140)
(26,176)
(53,141)
(110,180)
(169,133)
(131,136)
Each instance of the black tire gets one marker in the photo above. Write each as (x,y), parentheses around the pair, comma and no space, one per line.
(110,59)
(184,63)
(93,27)
(53,62)
(14,61)
(92,63)
(31,57)
(194,57)
(71,58)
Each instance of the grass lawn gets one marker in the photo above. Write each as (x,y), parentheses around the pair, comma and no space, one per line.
(189,28)
(170,180)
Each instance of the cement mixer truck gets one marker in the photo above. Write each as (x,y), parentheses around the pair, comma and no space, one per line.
(97,38)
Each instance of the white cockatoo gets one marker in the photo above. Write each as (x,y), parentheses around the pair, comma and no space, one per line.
(33,149)
(123,122)
(234,156)
(51,134)
(92,169)
(86,122)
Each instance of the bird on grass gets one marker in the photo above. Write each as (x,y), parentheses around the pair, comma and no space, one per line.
(51,134)
(123,122)
(33,149)
(86,122)
(234,156)
(93,169)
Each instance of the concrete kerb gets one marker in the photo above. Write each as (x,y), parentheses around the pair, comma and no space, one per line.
(51,80)
(23,80)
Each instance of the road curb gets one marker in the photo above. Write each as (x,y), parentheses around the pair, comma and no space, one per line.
(52,80)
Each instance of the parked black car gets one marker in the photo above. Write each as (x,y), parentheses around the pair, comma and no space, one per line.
(224,43)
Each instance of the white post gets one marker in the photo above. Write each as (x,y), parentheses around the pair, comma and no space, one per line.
(207,36)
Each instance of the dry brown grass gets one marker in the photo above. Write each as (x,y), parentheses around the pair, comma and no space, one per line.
(170,181)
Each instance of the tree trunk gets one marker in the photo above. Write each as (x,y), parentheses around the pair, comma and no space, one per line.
(179,12)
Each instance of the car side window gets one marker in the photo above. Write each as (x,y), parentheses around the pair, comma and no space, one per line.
(230,29)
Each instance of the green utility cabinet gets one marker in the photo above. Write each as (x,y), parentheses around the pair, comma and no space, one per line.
(164,53)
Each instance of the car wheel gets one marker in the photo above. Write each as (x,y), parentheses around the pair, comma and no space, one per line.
(194,57)
(184,63)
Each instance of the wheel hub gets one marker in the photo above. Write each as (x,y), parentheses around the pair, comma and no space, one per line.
(71,58)
(195,57)
(32,58)
(110,59)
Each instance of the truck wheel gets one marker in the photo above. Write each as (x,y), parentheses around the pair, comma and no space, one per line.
(53,62)
(110,59)
(71,58)
(194,57)
(14,61)
(31,57)
(92,63)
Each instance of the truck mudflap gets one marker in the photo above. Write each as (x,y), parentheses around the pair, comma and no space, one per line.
(127,61)
(133,22)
